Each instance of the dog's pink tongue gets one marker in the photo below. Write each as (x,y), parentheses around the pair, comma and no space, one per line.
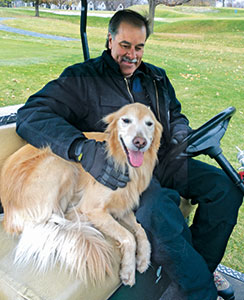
(136,158)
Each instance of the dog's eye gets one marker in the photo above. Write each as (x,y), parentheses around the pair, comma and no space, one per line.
(126,120)
(149,123)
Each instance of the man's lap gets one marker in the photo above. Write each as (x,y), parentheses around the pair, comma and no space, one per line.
(170,238)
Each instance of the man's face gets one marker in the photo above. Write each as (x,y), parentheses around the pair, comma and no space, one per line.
(127,47)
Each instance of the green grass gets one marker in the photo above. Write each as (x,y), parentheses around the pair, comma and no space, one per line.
(200,48)
(199,26)
(28,63)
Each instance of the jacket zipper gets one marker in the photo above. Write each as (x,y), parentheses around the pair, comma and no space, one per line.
(128,89)
(157,100)
(156,92)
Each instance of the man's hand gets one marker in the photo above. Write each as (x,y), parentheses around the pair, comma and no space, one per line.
(93,158)
(178,137)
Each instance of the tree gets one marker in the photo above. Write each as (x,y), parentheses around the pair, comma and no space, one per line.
(37,3)
(5,3)
(154,3)
(59,3)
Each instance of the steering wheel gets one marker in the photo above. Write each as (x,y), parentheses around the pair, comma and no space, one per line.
(207,137)
(206,140)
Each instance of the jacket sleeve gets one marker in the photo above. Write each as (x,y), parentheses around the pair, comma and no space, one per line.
(49,117)
(178,121)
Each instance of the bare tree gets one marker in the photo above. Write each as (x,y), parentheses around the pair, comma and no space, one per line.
(37,3)
(154,3)
(59,3)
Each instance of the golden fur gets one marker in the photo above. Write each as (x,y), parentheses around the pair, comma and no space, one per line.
(63,213)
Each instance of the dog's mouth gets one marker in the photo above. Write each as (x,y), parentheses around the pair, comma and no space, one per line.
(135,158)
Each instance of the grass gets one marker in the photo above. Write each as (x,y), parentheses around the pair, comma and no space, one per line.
(200,48)
(29,63)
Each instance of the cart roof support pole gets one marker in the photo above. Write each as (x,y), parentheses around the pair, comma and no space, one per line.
(83,19)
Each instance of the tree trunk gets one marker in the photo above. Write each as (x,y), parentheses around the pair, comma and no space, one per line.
(152,7)
(37,8)
(154,3)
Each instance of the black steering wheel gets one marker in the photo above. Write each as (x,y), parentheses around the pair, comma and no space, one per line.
(206,138)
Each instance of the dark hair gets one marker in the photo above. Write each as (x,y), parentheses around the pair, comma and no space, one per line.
(128,16)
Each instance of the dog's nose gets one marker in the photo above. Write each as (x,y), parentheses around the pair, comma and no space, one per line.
(139,142)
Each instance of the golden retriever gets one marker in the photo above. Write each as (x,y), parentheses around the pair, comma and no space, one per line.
(63,213)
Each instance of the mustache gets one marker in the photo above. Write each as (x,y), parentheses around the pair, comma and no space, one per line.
(127,59)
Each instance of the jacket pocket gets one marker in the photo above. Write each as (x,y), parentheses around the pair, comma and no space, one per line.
(111,104)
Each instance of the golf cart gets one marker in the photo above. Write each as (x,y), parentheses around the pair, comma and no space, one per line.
(23,283)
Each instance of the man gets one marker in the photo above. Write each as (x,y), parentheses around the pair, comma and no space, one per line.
(76,102)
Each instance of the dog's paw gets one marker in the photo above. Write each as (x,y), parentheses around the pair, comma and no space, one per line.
(143,257)
(128,276)
(143,264)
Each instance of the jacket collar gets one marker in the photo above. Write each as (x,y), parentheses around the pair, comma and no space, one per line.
(106,55)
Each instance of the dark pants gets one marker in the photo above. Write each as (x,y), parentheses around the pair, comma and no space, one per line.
(188,256)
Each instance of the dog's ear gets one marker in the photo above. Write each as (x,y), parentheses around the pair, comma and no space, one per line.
(157,134)
(109,119)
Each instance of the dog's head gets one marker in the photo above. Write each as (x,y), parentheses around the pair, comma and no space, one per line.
(133,133)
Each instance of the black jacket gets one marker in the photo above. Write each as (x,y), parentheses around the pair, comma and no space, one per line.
(86,92)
